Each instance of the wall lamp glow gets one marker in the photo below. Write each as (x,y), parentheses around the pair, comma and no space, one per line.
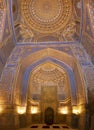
(34,109)
(63,110)
(76,110)
(1,109)
(21,110)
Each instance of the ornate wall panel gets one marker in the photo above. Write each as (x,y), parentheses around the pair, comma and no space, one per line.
(2,17)
(91,14)
(49,74)
(19,55)
(88,29)
(6,43)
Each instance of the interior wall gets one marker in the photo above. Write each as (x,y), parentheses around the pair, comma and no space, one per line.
(29,61)
(6,42)
(17,56)
(46,93)
(88,29)
(23,56)
(10,66)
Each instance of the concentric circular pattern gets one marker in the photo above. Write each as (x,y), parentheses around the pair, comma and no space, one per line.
(46,16)
(45,11)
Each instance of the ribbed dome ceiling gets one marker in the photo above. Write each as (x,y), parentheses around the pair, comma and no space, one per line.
(46,16)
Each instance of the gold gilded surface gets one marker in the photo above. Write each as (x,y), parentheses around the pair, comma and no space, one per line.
(46,16)
(49,75)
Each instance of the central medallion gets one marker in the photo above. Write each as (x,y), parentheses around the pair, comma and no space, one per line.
(45,11)
(46,16)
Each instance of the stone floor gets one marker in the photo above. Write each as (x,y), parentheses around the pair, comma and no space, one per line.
(46,127)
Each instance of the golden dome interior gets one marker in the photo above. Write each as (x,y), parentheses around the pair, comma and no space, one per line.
(46,20)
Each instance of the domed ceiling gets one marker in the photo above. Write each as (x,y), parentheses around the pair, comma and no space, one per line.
(46,16)
(46,20)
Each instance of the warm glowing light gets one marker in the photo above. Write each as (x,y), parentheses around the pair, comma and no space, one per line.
(21,110)
(63,110)
(34,109)
(76,110)
(1,109)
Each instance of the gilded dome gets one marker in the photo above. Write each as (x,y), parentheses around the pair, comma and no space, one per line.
(46,16)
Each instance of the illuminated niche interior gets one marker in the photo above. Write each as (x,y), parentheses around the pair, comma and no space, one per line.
(49,87)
